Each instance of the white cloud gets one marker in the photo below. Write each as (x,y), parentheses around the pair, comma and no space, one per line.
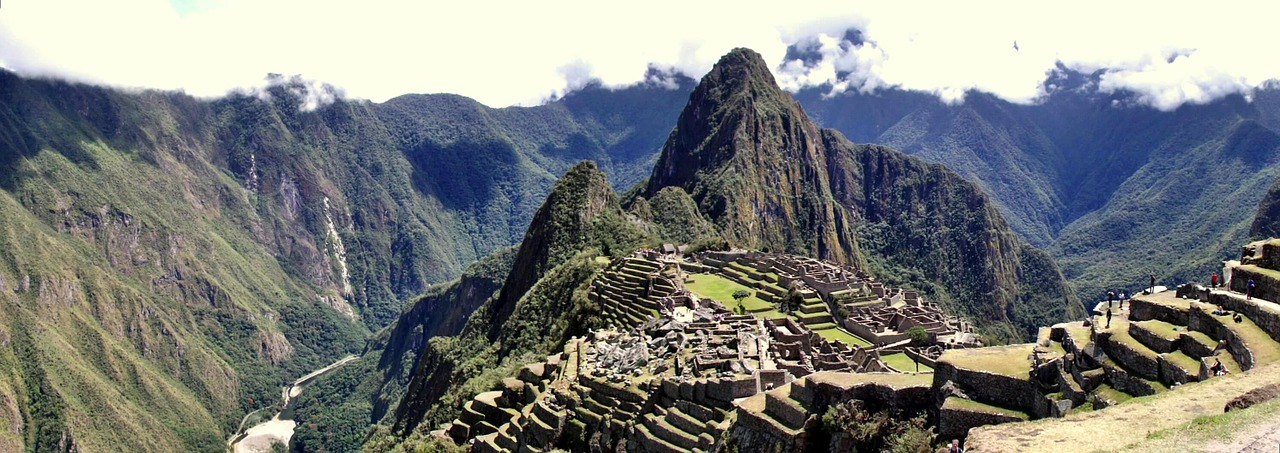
(507,52)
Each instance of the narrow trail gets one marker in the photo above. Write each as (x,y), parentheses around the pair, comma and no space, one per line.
(260,437)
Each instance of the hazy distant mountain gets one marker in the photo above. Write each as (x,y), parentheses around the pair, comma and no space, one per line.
(181,258)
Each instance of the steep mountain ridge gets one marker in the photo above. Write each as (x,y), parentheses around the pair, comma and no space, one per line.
(1077,172)
(769,178)
(181,258)
(749,156)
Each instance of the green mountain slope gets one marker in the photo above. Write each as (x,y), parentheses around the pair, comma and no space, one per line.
(768,178)
(1114,191)
(172,261)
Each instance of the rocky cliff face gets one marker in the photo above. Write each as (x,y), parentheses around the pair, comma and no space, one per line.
(770,179)
(755,164)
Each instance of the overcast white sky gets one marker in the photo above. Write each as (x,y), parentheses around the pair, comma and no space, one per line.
(520,52)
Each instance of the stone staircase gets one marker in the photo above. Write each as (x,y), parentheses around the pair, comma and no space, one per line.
(1156,343)
(521,415)
(781,419)
(629,290)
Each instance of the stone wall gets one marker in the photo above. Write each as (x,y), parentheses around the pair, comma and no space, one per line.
(1123,381)
(990,387)
(1265,287)
(1132,359)
(1268,319)
(1214,327)
(955,423)
(1142,310)
(1152,340)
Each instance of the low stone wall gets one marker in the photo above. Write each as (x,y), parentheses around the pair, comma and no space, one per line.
(1123,381)
(1265,287)
(822,394)
(1152,340)
(726,390)
(1267,319)
(1193,348)
(1172,373)
(923,359)
(1147,367)
(955,423)
(1214,326)
(994,388)
(1142,310)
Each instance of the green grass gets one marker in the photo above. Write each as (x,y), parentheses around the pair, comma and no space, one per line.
(902,362)
(1209,430)
(722,289)
(1110,394)
(1012,361)
(974,406)
(834,334)
(1161,328)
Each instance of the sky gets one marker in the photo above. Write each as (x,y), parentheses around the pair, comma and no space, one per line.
(523,53)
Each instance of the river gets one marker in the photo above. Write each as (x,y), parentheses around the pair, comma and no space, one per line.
(260,437)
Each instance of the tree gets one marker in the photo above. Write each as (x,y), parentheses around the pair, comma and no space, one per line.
(919,336)
(738,296)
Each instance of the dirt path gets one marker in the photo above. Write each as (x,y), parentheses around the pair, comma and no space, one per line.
(1131,425)
(260,437)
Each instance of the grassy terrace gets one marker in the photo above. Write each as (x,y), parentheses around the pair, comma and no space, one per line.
(721,288)
(1110,394)
(1013,361)
(958,403)
(1265,350)
(903,363)
(1161,328)
(849,380)
(833,334)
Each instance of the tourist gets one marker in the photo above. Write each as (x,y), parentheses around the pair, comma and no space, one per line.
(1248,292)
(1110,296)
(1218,311)
(1213,280)
(1153,284)
(1124,296)
(1218,369)
(1108,317)
(955,447)
(1237,318)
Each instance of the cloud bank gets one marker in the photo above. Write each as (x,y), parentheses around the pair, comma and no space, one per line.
(506,52)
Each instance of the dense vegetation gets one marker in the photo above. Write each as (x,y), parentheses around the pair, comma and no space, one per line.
(769,179)
(1113,190)
(177,260)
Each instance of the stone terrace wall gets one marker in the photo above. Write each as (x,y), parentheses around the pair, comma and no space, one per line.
(1266,287)
(989,387)
(1142,310)
(1266,319)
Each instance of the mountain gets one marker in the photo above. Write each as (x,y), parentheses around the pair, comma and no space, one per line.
(1112,189)
(754,164)
(746,165)
(769,178)
(542,302)
(167,262)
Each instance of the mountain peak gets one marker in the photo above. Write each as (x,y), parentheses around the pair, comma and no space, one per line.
(741,65)
(753,161)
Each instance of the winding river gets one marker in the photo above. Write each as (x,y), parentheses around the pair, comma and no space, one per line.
(260,437)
